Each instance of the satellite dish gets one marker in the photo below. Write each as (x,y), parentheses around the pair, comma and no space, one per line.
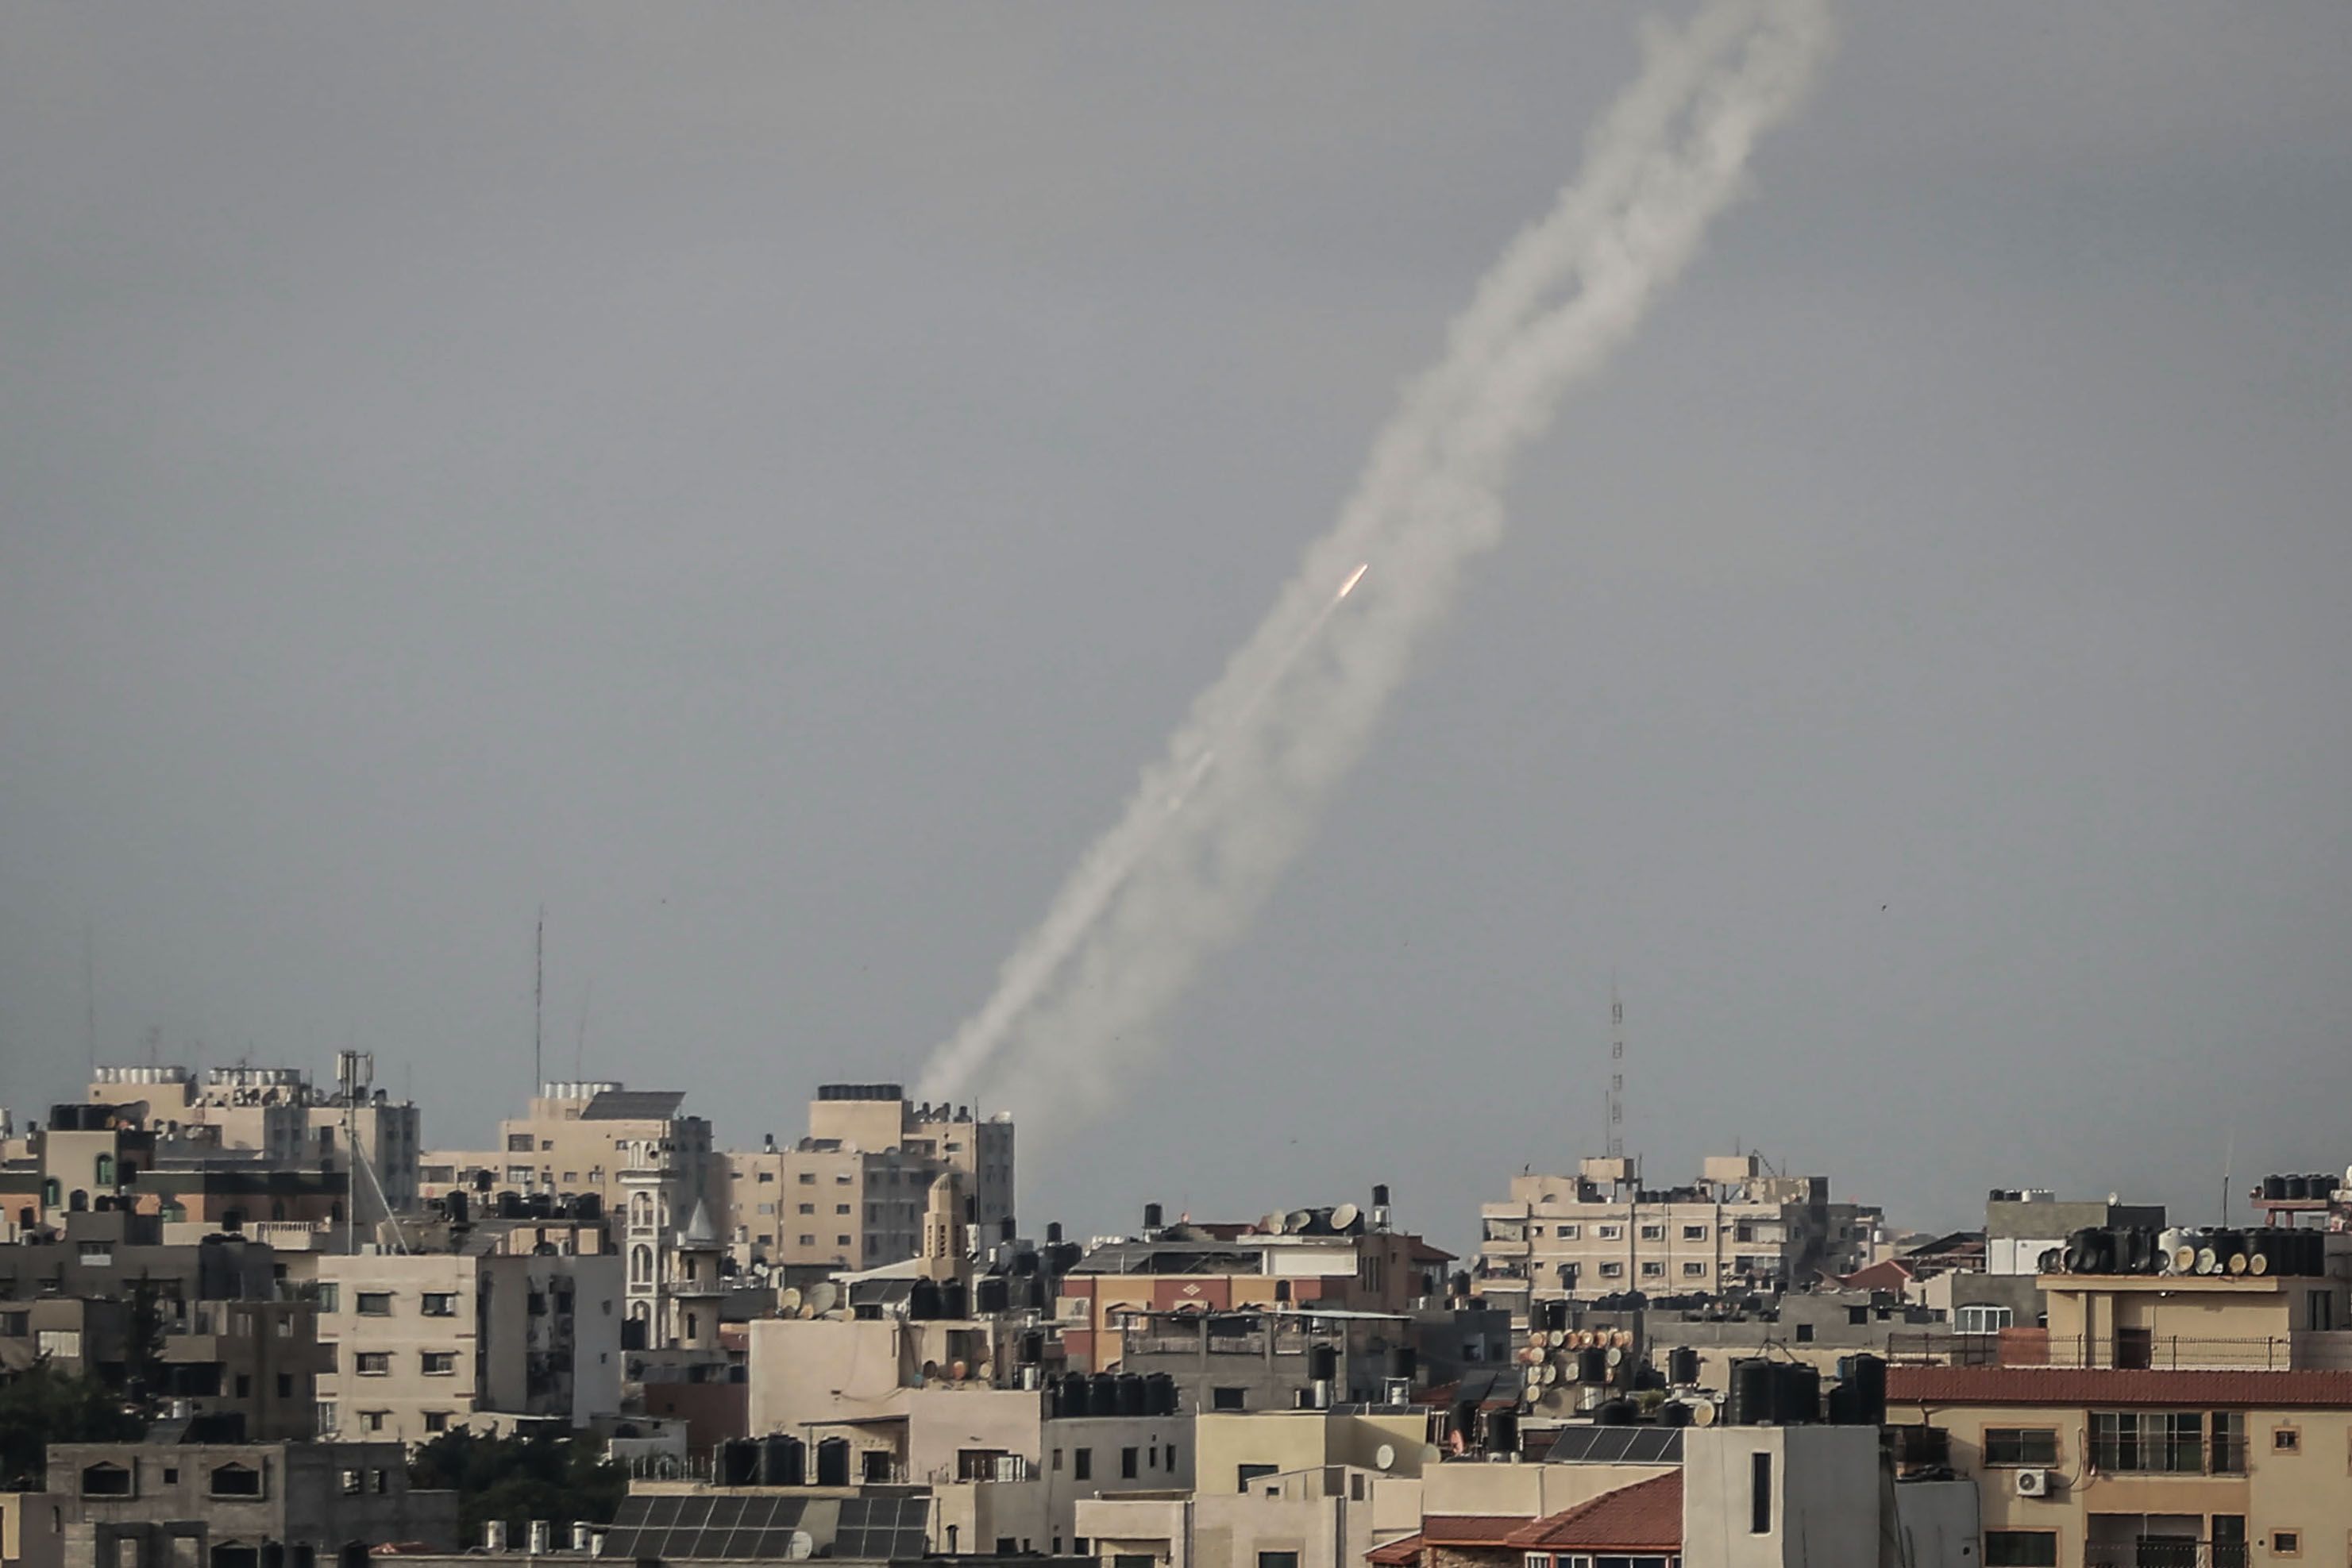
(1298,1220)
(930,1369)
(1344,1217)
(789,1302)
(1555,1401)
(957,1371)
(2114,1199)
(1703,1413)
(1384,1457)
(822,1298)
(1271,1224)
(984,1371)
(801,1547)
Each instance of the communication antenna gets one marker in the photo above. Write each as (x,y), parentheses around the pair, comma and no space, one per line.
(1615,1145)
(538,999)
(89,992)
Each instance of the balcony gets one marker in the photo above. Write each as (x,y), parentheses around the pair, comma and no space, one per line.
(2168,1352)
(2166,1552)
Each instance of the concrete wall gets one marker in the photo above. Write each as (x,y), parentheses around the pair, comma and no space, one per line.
(1823,1490)
(1302,1439)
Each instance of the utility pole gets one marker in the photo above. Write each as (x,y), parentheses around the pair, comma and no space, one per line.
(1614,1148)
(538,999)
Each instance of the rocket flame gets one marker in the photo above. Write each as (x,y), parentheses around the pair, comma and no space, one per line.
(1354,578)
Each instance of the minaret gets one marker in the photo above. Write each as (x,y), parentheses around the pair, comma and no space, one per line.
(942,1254)
(695,1287)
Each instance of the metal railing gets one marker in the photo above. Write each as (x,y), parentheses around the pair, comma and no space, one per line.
(2036,1348)
(2165,1552)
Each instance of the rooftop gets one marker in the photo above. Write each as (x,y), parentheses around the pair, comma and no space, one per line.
(1645,1517)
(2117,1386)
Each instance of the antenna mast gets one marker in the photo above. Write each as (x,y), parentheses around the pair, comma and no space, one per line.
(89,992)
(1615,1148)
(538,999)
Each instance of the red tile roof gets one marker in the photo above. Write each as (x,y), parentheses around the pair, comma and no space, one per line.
(1889,1275)
(1402,1552)
(2114,1386)
(1472,1529)
(1645,1517)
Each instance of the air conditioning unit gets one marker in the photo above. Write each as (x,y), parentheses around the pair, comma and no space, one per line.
(2035,1483)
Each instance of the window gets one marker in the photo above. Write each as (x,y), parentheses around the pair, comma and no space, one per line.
(439,1362)
(355,1482)
(1804,1333)
(1760,1494)
(1653,1270)
(327,1418)
(1228,1399)
(436,1420)
(517,1175)
(1130,1464)
(285,1385)
(2228,1537)
(1694,1270)
(1693,1232)
(1612,1270)
(2021,1549)
(373,1420)
(841,1242)
(440,1304)
(1248,1474)
(372,1362)
(1654,1233)
(1082,1464)
(236,1480)
(2021,1446)
(808,1178)
(1277,1560)
(808,1241)
(2286,1543)
(1172,1457)
(517,1143)
(375,1303)
(2287,1441)
(1057,1459)
(1744,1231)
(2228,1445)
(1611,1233)
(2166,1442)
(102,1480)
(841,1209)
(808,1208)
(767,1176)
(2319,1312)
(1982,1320)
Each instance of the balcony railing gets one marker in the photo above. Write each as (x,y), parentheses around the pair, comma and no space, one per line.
(2165,1353)
(2164,1551)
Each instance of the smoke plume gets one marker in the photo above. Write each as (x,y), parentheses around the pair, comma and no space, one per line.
(1216,820)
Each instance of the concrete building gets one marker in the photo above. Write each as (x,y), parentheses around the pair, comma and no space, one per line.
(1738,1230)
(908,1402)
(423,1342)
(581,1138)
(169,1505)
(851,1195)
(1141,1284)
(2022,1225)
(2158,1419)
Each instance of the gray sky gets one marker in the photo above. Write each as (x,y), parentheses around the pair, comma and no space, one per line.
(761,479)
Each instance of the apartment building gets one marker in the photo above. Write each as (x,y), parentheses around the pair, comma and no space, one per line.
(279,1114)
(302,1505)
(1739,1228)
(423,1342)
(851,1194)
(2164,1419)
(582,1137)
(1138,1285)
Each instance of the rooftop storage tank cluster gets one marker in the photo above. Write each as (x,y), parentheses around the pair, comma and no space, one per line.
(2258,1251)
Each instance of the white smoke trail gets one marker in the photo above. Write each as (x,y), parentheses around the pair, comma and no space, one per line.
(1213,823)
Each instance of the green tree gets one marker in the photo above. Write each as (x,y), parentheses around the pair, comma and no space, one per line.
(42,1406)
(562,1480)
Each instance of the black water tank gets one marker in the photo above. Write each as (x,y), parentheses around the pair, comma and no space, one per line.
(1674,1413)
(456,1204)
(783,1461)
(923,1300)
(990,1293)
(1151,1215)
(833,1462)
(1130,1395)
(1102,1395)
(2275,1187)
(738,1463)
(1614,1413)
(1503,1432)
(955,1299)
(1754,1389)
(589,1207)
(1159,1393)
(1053,1231)
(1866,1375)
(1682,1366)
(1799,1401)
(1592,1364)
(1323,1363)
(2297,1188)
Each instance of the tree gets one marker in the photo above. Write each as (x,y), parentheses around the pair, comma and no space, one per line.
(42,1406)
(561,1480)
